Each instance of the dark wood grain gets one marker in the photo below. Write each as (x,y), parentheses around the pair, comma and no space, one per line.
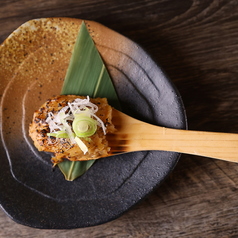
(196,43)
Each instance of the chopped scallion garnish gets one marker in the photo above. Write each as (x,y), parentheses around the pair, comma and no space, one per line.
(58,134)
(84,126)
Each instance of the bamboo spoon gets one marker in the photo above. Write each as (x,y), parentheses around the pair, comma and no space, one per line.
(134,135)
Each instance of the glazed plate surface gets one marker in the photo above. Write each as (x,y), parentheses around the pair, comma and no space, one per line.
(33,64)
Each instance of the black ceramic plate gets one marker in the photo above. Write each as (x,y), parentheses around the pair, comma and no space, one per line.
(33,62)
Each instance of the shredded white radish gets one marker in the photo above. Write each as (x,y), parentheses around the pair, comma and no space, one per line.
(62,120)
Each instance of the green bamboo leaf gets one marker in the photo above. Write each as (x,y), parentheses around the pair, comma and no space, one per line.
(86,75)
(74,169)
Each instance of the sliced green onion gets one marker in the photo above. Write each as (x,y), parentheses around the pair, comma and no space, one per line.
(58,134)
(84,126)
(81,145)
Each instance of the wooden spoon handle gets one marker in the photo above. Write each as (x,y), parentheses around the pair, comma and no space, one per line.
(136,135)
(209,144)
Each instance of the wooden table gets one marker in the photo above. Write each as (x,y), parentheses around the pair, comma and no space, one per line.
(196,43)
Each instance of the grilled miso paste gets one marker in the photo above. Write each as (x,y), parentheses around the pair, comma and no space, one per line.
(72,127)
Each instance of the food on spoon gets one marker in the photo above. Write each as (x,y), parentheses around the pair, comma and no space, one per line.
(72,127)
